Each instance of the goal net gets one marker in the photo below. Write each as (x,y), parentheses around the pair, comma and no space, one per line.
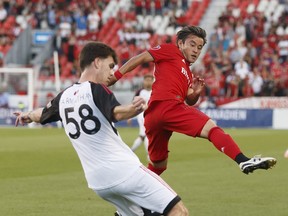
(16,93)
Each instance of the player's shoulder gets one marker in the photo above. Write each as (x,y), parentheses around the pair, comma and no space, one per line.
(100,87)
(164,46)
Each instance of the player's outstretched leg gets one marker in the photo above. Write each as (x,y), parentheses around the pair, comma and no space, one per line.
(257,162)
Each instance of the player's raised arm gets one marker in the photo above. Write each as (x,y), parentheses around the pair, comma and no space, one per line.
(131,64)
(123,112)
(28,117)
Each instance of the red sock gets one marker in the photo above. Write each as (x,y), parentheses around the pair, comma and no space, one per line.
(223,142)
(158,171)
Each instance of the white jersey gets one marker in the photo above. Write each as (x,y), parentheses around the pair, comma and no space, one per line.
(86,111)
(145,94)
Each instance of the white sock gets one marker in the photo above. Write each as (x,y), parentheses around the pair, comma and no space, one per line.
(136,143)
(146,148)
(146,144)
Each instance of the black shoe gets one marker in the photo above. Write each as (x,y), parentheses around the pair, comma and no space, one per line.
(148,212)
(117,213)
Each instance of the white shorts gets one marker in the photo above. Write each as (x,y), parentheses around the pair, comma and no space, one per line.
(144,188)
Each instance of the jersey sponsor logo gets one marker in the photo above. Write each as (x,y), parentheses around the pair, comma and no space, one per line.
(185,73)
(156,47)
(76,92)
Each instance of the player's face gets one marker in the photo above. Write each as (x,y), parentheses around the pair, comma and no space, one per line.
(107,68)
(191,48)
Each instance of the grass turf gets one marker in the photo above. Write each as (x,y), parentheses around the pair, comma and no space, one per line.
(40,174)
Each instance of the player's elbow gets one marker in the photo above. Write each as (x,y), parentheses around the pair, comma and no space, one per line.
(119,117)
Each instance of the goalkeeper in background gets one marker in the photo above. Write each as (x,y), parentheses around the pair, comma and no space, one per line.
(145,93)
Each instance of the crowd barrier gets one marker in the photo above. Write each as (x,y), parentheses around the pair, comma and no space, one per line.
(264,115)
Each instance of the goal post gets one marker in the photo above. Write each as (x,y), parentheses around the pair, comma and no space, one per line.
(16,92)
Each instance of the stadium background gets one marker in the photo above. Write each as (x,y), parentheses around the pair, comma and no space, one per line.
(39,168)
(246,54)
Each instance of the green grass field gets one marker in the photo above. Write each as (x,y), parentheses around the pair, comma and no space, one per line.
(40,174)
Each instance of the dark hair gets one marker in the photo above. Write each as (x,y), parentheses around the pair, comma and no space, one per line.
(94,50)
(191,30)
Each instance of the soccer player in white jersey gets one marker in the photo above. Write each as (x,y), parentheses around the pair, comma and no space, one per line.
(145,93)
(87,110)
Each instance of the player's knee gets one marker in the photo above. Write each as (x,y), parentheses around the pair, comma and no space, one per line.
(179,209)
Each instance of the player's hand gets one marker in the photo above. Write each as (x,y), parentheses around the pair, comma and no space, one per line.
(22,118)
(198,85)
(139,104)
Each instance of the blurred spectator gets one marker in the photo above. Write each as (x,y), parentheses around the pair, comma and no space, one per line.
(242,70)
(247,90)
(283,48)
(72,49)
(4,97)
(249,23)
(240,30)
(51,17)
(251,55)
(65,25)
(214,41)
(138,7)
(256,81)
(242,49)
(46,70)
(57,41)
(124,52)
(184,5)
(80,22)
(93,19)
(212,79)
(147,6)
(158,7)
(234,55)
(232,84)
(40,19)
(268,82)
(254,36)
(225,66)
(277,71)
(3,12)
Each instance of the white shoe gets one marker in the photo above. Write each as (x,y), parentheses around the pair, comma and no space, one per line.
(257,163)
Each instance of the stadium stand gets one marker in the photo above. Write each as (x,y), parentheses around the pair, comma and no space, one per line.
(246,54)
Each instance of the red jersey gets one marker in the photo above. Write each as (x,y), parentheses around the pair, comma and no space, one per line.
(172,73)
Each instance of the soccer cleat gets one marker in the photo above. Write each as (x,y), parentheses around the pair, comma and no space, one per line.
(257,163)
(148,212)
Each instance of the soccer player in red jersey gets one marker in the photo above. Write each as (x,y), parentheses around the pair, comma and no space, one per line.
(174,93)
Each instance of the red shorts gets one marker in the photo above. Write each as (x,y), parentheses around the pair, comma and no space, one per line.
(162,118)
